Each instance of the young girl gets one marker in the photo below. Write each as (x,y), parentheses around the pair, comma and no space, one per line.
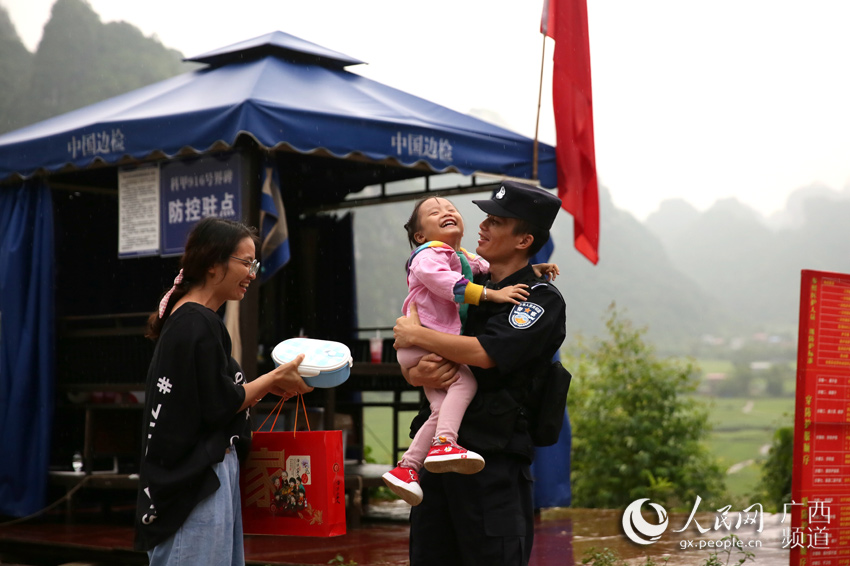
(439,283)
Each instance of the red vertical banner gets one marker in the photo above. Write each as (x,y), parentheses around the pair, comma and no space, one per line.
(819,533)
(565,21)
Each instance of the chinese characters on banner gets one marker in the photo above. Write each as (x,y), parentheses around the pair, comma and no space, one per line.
(820,506)
(96,143)
(194,189)
(419,145)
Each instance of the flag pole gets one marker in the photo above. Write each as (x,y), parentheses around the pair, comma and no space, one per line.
(539,98)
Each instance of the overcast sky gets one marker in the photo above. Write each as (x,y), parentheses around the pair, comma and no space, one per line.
(694,99)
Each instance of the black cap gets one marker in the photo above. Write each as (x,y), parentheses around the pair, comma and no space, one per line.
(517,200)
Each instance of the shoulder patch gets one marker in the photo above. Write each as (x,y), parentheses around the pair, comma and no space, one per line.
(524,315)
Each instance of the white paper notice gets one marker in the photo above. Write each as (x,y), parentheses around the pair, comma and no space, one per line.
(138,212)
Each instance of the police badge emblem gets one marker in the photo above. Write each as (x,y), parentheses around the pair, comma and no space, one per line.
(524,315)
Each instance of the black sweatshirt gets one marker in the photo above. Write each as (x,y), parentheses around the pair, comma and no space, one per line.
(193,392)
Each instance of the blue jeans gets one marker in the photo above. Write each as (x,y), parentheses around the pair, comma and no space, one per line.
(212,534)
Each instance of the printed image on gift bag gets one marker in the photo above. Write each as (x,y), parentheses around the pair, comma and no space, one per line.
(290,484)
(293,484)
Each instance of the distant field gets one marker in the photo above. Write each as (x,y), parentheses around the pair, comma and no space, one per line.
(742,427)
(714,366)
(740,436)
(732,447)
(767,413)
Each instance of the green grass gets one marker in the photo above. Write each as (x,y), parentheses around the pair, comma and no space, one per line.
(738,436)
(764,413)
(741,486)
(732,447)
(378,427)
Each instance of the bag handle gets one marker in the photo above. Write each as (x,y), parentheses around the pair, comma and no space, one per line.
(306,418)
(275,411)
(279,407)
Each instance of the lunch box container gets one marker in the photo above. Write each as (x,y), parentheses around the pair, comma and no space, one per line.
(326,363)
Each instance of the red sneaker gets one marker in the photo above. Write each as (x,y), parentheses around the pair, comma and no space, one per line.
(404,482)
(447,456)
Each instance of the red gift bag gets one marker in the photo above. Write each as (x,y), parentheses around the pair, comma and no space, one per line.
(293,484)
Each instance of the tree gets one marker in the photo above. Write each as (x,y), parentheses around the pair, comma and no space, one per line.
(637,431)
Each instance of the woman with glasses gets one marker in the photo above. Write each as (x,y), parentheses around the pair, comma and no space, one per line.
(197,404)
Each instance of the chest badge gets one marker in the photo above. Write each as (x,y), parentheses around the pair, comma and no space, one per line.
(524,315)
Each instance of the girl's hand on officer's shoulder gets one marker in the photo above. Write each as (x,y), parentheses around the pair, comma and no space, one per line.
(547,270)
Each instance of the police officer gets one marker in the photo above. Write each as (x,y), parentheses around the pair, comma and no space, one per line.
(487,518)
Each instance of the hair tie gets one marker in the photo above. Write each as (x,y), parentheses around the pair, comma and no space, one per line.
(164,302)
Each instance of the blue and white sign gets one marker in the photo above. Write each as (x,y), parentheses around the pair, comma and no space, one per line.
(192,189)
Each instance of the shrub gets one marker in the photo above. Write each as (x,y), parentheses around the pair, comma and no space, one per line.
(637,430)
(775,484)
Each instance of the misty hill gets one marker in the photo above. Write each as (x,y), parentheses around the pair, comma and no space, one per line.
(794,213)
(634,271)
(749,267)
(79,61)
(15,65)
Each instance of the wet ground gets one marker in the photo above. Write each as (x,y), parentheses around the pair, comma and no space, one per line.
(563,537)
(584,531)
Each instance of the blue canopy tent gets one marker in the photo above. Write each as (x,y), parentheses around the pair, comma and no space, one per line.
(328,131)
(285,93)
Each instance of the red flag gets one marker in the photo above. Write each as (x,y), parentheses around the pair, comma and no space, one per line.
(565,21)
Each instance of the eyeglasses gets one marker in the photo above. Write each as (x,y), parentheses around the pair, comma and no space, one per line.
(253,266)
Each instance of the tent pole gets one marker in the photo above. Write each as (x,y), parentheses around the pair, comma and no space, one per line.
(400,197)
(539,98)
(249,307)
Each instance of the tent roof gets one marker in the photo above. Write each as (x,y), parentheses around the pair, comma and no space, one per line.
(286,93)
(279,43)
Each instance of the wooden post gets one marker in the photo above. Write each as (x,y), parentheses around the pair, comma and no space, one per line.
(539,98)
(249,307)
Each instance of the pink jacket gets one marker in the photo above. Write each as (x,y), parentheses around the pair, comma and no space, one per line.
(431,281)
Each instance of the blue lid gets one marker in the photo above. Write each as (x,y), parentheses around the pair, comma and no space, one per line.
(320,355)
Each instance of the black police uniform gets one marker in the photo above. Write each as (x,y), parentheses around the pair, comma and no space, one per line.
(487,518)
